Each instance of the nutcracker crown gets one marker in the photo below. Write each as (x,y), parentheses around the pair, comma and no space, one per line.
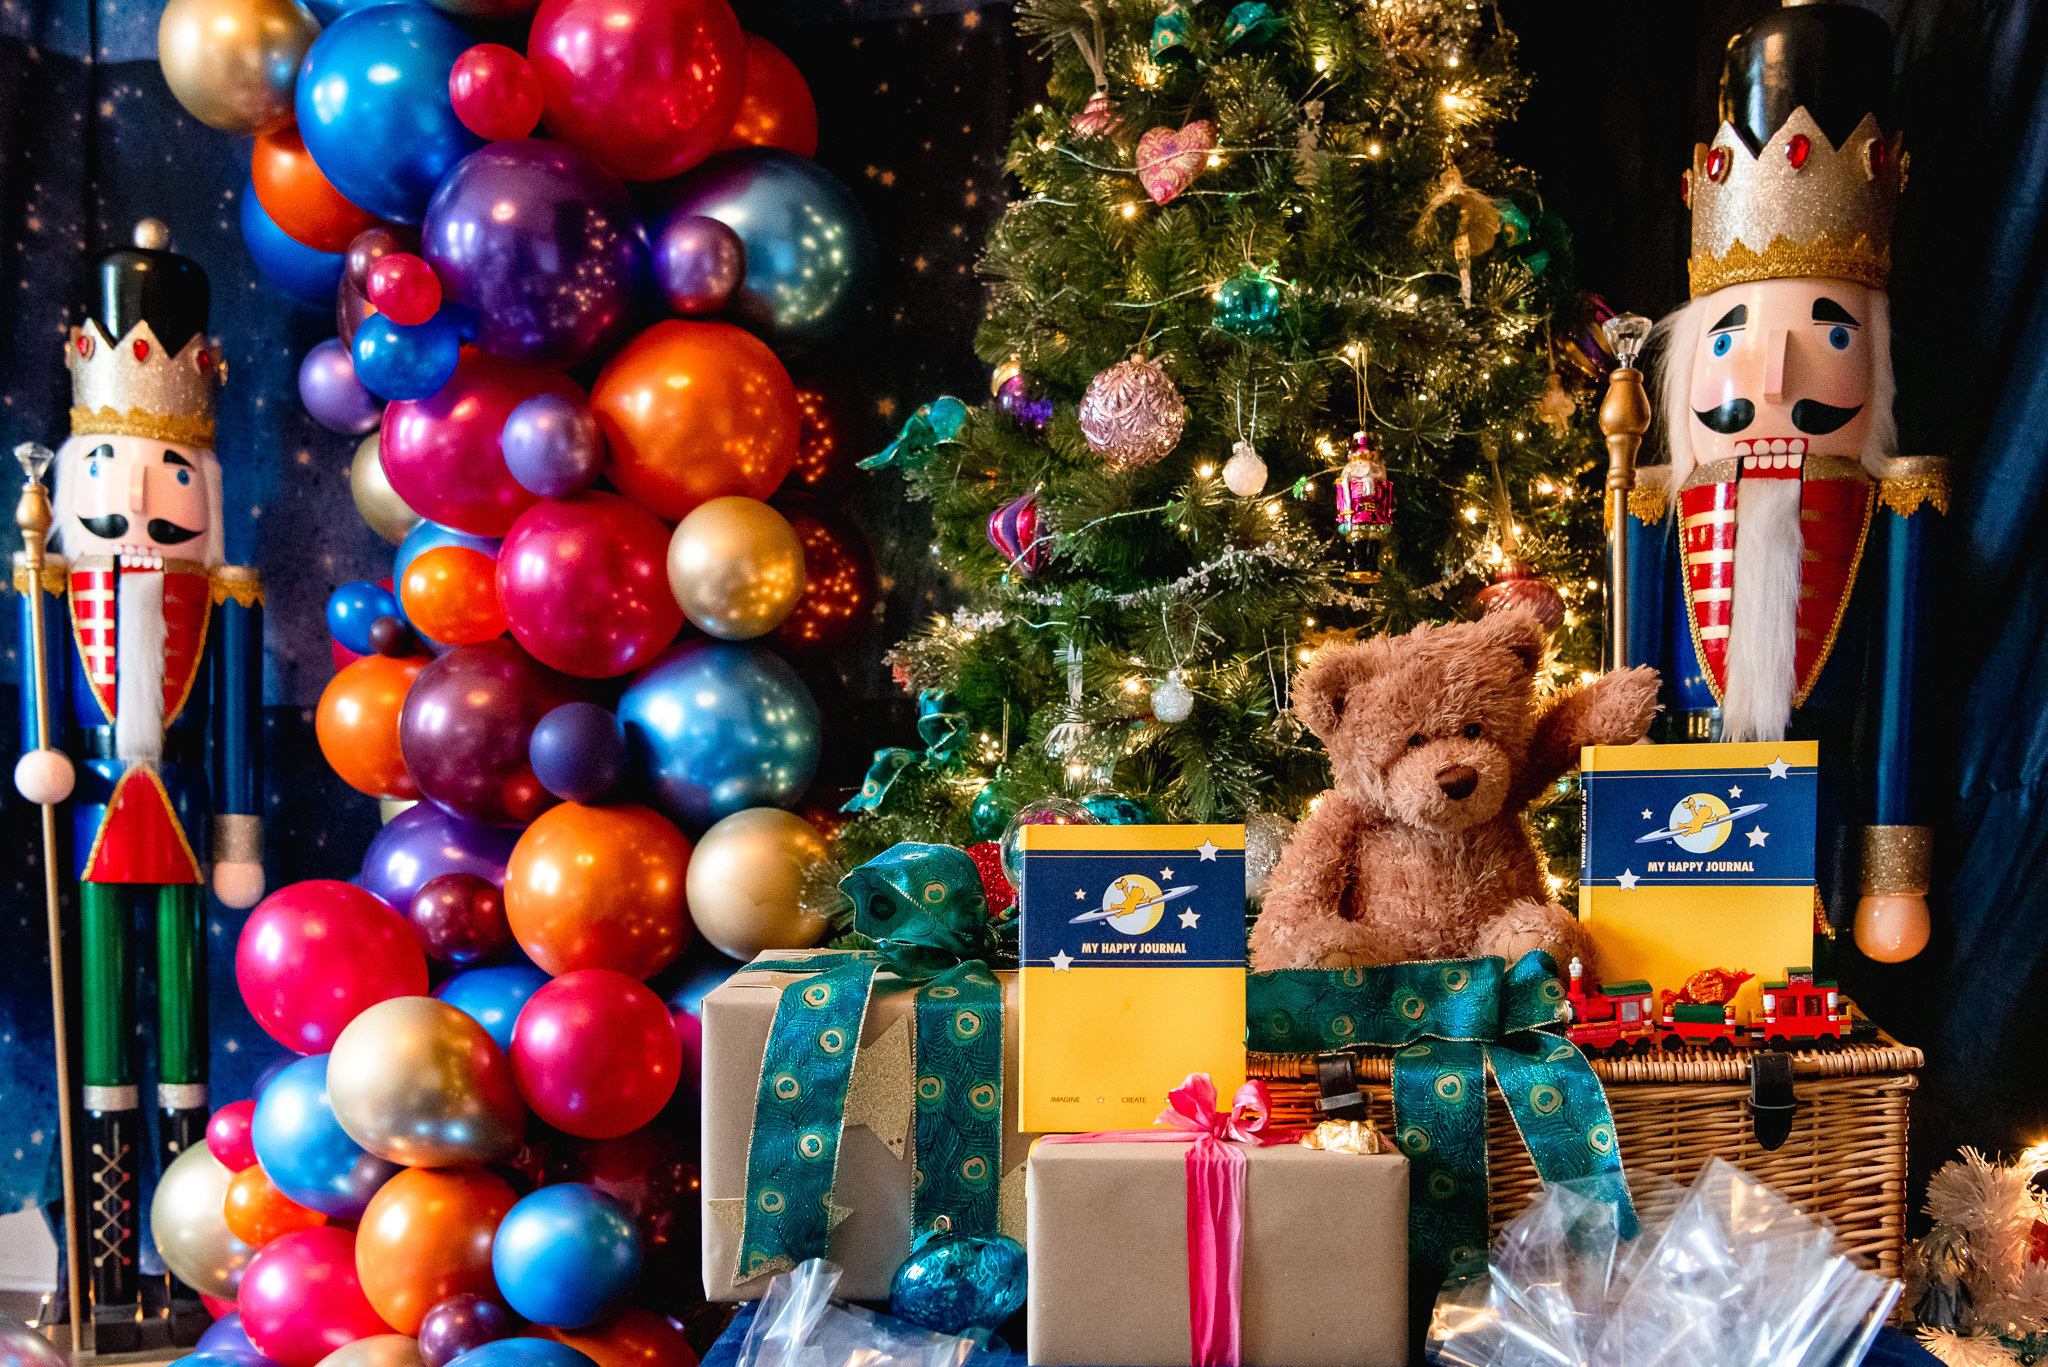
(1801,178)
(141,364)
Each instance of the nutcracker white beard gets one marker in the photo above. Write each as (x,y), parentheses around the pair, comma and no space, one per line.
(139,635)
(1756,702)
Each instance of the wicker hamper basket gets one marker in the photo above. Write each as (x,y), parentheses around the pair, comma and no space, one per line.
(1845,1158)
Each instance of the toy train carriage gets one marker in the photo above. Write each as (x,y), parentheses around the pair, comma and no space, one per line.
(1801,1012)
(1614,1018)
(1620,1018)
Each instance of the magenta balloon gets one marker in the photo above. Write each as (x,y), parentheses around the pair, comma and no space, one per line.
(300,1299)
(315,954)
(422,843)
(584,584)
(442,454)
(466,727)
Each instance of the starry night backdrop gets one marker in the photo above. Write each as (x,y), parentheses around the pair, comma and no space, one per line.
(915,99)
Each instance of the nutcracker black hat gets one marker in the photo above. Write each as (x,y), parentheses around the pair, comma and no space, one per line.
(1801,178)
(141,363)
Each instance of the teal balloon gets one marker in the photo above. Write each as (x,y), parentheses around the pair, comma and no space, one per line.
(992,811)
(952,1283)
(715,727)
(1114,809)
(1248,305)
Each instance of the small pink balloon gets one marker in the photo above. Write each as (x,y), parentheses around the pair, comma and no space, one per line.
(405,289)
(443,455)
(495,92)
(583,582)
(300,1299)
(227,1135)
(314,955)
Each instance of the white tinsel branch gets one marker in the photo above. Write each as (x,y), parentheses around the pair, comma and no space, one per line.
(1976,1351)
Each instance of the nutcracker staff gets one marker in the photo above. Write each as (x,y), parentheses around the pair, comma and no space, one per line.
(150,697)
(1776,565)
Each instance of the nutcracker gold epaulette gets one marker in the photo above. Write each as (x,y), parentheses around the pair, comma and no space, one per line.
(1910,482)
(239,582)
(55,570)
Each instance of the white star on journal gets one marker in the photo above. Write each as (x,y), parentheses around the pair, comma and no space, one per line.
(1062,961)
(1207,849)
(1735,791)
(1646,813)
(1628,879)
(1166,875)
(1757,836)
(1778,767)
(1080,894)
(1190,918)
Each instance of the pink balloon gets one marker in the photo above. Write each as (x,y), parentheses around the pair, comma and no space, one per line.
(647,87)
(314,955)
(442,455)
(300,1298)
(227,1135)
(217,1307)
(405,289)
(495,93)
(690,1037)
(595,1053)
(584,584)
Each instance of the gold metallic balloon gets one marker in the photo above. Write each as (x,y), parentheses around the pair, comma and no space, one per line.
(376,500)
(188,1219)
(418,1082)
(746,878)
(736,567)
(378,1350)
(234,64)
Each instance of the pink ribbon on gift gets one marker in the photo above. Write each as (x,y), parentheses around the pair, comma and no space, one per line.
(1215,1198)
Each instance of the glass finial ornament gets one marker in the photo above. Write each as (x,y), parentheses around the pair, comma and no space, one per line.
(1626,333)
(1365,509)
(1132,415)
(1097,117)
(1244,474)
(1172,700)
(955,1283)
(1516,584)
(1248,304)
(34,458)
(1015,395)
(1013,531)
(1047,811)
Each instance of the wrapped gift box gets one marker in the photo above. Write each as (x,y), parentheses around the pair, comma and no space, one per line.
(874,1158)
(1325,1251)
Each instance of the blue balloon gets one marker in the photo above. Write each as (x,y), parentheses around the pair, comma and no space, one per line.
(398,362)
(373,106)
(226,1335)
(354,608)
(304,1150)
(717,727)
(524,1353)
(565,1256)
(578,752)
(224,1357)
(493,997)
(310,277)
(702,970)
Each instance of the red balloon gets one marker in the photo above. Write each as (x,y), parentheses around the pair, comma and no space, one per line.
(840,589)
(299,198)
(442,456)
(647,87)
(315,954)
(405,289)
(777,109)
(595,1054)
(301,1300)
(467,723)
(495,92)
(584,584)
(217,1307)
(227,1135)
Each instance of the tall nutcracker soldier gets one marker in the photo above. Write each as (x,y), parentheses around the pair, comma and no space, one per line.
(1776,566)
(154,662)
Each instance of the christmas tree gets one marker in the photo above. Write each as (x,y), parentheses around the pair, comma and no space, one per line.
(1284,350)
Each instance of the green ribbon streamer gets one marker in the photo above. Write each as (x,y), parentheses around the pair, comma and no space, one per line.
(929,428)
(924,908)
(940,725)
(1448,1022)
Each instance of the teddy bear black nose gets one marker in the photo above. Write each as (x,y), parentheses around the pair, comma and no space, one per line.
(1458,781)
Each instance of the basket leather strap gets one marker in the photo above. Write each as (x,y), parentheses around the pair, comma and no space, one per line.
(1338,1097)
(1771,1102)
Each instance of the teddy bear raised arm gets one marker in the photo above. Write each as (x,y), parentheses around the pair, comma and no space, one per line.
(1438,743)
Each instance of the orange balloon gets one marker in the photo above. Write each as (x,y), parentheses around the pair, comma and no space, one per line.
(258,1212)
(632,1338)
(426,1235)
(303,201)
(451,594)
(357,725)
(777,109)
(693,411)
(599,887)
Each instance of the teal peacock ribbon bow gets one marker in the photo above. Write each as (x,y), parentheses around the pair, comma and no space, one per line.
(924,908)
(930,427)
(1448,1022)
(940,725)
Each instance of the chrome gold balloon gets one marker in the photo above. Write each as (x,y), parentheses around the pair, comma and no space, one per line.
(736,567)
(376,500)
(416,1081)
(746,880)
(191,1229)
(234,64)
(378,1350)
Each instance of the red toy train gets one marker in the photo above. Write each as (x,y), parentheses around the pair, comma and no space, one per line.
(1621,1018)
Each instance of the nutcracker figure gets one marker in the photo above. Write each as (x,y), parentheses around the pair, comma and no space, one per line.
(1774,568)
(149,702)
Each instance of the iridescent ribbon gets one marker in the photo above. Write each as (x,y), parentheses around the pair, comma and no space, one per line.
(940,725)
(930,427)
(1449,1021)
(1215,1199)
(923,907)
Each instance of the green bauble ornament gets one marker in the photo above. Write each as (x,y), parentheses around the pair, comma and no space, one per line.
(992,811)
(1114,809)
(1248,305)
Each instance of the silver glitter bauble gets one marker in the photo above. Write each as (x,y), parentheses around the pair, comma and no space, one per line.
(1172,701)
(1244,474)
(1131,414)
(1265,837)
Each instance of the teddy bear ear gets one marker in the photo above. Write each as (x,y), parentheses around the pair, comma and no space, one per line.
(1520,632)
(1320,687)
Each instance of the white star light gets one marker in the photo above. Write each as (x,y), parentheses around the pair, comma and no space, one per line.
(1735,791)
(1778,767)
(1757,836)
(1628,879)
(1190,918)
(1207,849)
(1062,961)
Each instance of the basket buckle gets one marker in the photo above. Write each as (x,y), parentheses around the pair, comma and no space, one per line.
(1337,1094)
(1771,1102)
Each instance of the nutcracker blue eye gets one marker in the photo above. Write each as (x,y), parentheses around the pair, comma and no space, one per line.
(1838,338)
(92,468)
(184,476)
(1724,343)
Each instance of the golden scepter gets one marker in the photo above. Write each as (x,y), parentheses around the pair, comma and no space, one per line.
(1624,418)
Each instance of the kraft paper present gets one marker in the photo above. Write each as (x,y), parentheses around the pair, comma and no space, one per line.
(1325,1281)
(873,1183)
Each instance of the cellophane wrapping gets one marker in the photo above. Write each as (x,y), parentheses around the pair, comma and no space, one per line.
(799,1325)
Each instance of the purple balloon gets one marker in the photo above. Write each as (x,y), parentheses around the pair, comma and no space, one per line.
(457,1325)
(698,262)
(579,752)
(331,392)
(552,446)
(464,731)
(460,918)
(226,1335)
(541,245)
(422,843)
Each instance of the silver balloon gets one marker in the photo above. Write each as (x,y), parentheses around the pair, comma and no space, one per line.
(191,1231)
(21,1346)
(1265,838)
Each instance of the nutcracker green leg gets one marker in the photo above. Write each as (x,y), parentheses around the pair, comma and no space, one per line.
(113,1122)
(181,1056)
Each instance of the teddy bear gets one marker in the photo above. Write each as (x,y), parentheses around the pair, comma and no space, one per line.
(1437,743)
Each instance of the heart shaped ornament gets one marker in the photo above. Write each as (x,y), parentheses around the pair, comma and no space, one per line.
(1169,159)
